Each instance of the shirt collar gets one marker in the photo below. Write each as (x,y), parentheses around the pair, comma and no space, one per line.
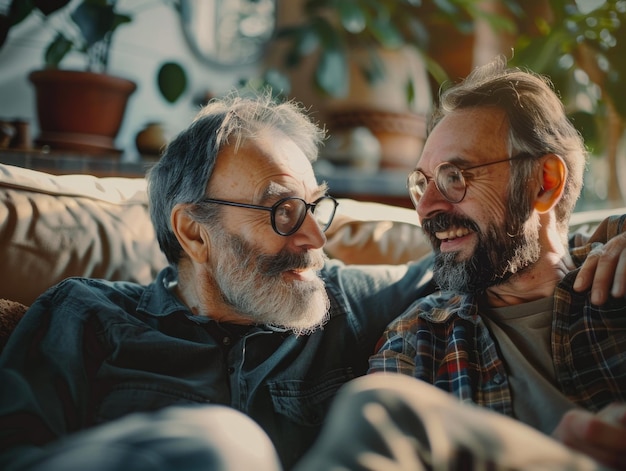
(158,299)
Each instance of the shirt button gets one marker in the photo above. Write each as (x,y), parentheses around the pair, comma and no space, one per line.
(231,370)
(226,341)
(498,379)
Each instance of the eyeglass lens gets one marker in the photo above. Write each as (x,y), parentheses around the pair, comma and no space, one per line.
(290,213)
(448,178)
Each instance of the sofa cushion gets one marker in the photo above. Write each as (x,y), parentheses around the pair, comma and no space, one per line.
(53,227)
(373,233)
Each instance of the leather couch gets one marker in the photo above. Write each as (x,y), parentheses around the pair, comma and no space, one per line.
(53,227)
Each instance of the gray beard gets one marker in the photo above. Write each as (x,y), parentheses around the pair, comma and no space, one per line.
(252,283)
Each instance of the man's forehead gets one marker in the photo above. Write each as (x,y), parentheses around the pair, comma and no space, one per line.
(265,169)
(289,155)
(473,132)
(267,153)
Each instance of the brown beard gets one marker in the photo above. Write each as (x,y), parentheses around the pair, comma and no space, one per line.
(502,251)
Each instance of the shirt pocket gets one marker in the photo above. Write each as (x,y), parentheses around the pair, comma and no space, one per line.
(142,397)
(306,402)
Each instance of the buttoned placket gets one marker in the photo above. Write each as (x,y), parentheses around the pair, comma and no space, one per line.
(236,359)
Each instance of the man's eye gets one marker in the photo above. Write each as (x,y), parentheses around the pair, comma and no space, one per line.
(285,211)
(453,177)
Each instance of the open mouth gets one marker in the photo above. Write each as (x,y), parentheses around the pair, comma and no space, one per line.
(452,234)
(302,274)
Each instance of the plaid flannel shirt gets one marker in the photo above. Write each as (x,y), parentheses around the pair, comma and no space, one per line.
(443,340)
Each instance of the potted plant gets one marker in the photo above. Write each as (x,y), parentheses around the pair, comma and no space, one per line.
(82,110)
(369,62)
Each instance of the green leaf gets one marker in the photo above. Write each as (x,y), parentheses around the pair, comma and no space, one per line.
(278,82)
(48,6)
(93,20)
(307,42)
(373,68)
(120,19)
(19,10)
(416,32)
(542,53)
(410,92)
(498,23)
(386,34)
(446,6)
(57,50)
(332,73)
(351,16)
(617,77)
(586,124)
(96,19)
(172,81)
(436,70)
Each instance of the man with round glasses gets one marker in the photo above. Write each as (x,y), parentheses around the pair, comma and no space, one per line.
(287,214)
(250,315)
(494,188)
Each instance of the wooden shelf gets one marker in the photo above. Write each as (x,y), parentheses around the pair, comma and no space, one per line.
(71,163)
(385,186)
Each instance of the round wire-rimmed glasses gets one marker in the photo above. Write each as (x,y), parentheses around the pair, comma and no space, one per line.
(450,180)
(288,214)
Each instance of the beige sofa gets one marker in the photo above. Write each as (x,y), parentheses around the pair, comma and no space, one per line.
(53,227)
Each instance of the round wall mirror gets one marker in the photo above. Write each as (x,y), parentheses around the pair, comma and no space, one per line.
(228,32)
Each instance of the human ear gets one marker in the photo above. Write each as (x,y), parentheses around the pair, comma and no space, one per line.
(190,234)
(554,176)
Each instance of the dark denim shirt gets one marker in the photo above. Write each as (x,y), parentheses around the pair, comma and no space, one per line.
(89,351)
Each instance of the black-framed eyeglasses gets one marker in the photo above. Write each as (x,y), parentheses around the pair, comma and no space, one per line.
(288,214)
(450,180)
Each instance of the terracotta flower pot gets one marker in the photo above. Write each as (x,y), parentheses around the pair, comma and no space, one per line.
(80,111)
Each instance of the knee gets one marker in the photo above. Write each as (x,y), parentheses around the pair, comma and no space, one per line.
(194,438)
(231,437)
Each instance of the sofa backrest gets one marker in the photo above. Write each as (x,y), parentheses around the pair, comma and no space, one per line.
(53,227)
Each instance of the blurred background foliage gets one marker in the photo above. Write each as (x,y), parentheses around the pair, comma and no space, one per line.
(579,44)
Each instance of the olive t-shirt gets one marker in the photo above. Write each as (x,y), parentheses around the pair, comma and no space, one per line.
(522,333)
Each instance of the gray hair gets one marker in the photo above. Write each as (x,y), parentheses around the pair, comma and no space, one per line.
(183,171)
(538,125)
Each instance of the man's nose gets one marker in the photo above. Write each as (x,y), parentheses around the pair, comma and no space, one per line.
(431,202)
(310,234)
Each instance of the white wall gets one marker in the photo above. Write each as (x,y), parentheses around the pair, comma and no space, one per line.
(154,36)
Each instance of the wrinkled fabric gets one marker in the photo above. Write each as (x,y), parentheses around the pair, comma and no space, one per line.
(384,422)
